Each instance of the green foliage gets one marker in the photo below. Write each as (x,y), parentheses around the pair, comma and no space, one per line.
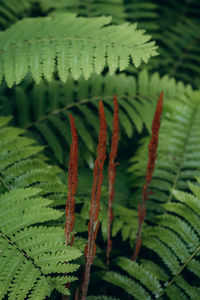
(182,57)
(86,8)
(12,11)
(178,153)
(174,25)
(33,258)
(61,57)
(176,242)
(78,45)
(136,95)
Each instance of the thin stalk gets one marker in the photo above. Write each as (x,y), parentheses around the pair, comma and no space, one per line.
(72,186)
(72,182)
(149,173)
(93,223)
(112,175)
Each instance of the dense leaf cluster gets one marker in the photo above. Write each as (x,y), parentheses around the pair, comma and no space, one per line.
(61,57)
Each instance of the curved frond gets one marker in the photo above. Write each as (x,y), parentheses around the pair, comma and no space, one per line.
(43,109)
(33,258)
(130,286)
(176,254)
(70,45)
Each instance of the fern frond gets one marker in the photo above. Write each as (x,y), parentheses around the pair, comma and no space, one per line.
(139,272)
(86,9)
(178,153)
(132,287)
(176,242)
(146,13)
(125,221)
(180,51)
(79,45)
(30,255)
(177,254)
(43,108)
(22,168)
(12,11)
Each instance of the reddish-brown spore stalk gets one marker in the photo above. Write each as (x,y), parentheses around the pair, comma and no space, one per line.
(149,173)
(72,182)
(112,174)
(93,224)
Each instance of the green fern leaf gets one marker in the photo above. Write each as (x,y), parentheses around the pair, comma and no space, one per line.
(140,274)
(180,146)
(30,254)
(44,39)
(130,286)
(177,247)
(91,9)
(12,11)
(47,105)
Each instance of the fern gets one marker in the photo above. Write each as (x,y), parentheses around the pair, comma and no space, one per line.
(33,258)
(182,55)
(87,8)
(79,46)
(49,123)
(61,57)
(174,25)
(145,13)
(12,11)
(177,251)
(179,143)
(125,221)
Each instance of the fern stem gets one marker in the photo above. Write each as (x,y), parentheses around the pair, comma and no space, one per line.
(21,251)
(152,147)
(71,39)
(72,182)
(112,174)
(84,101)
(93,223)
(69,106)
(179,271)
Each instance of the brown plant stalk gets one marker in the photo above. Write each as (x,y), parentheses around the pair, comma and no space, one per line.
(149,173)
(112,175)
(72,183)
(93,223)
(72,186)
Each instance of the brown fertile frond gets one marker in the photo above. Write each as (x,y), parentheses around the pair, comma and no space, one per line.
(149,173)
(93,223)
(72,182)
(112,173)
